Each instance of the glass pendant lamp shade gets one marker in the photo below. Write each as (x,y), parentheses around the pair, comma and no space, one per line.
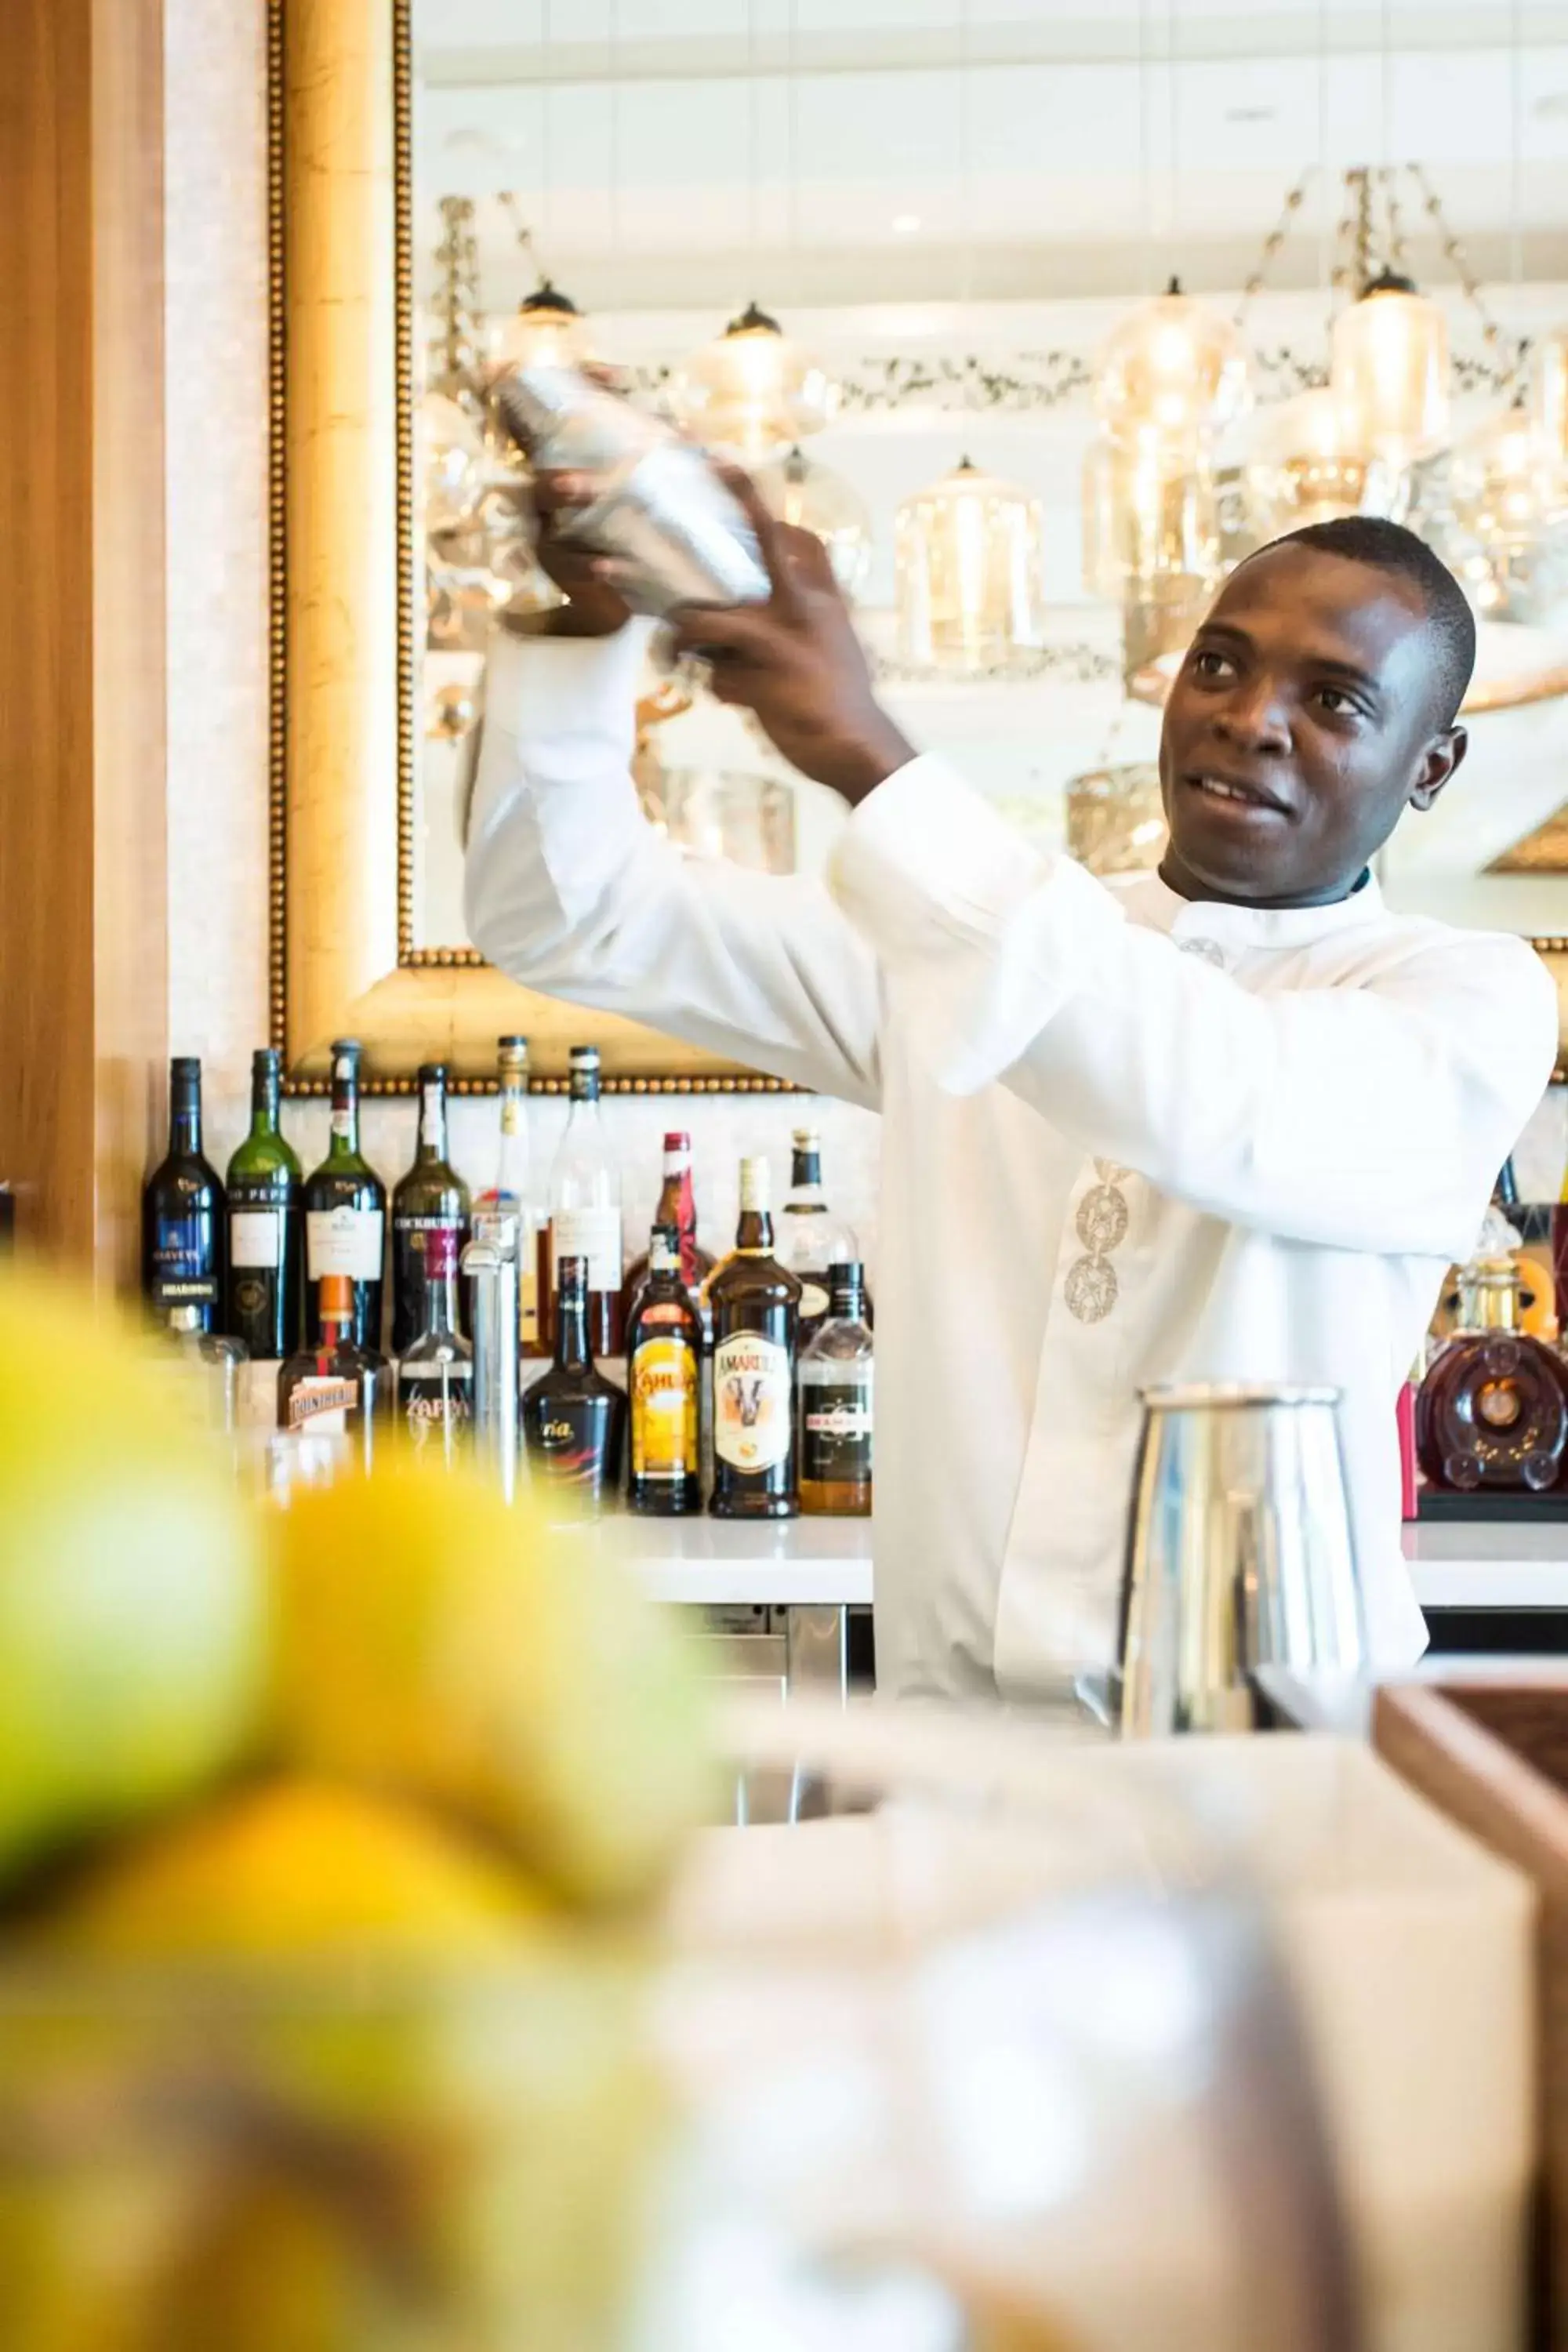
(1302,469)
(1173,368)
(1507,501)
(546,329)
(752,388)
(1549,393)
(449,463)
(814,498)
(1151,509)
(969,586)
(1389,373)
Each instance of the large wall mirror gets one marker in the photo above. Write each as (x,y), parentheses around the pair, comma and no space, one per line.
(446,170)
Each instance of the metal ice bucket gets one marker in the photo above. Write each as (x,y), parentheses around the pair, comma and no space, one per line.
(1239,1555)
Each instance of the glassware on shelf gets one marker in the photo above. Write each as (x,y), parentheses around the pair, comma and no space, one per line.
(213,1365)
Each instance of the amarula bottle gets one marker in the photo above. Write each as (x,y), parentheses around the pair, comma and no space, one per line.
(265,1232)
(337,1388)
(573,1419)
(182,1211)
(811,1238)
(677,1207)
(585,1206)
(511,1196)
(435,1374)
(431,1199)
(837,1405)
(755,1303)
(345,1214)
(664,1367)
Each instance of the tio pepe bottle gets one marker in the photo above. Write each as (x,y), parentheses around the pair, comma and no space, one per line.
(182,1210)
(837,1402)
(431,1199)
(756,1305)
(266,1236)
(337,1389)
(585,1207)
(345,1214)
(664,1369)
(573,1419)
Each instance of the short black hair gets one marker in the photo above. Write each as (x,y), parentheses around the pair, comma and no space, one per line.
(1388,547)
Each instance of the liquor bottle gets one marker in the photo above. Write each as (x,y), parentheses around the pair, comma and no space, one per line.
(811,1238)
(573,1419)
(431,1199)
(677,1207)
(756,1314)
(585,1207)
(1493,1408)
(265,1237)
(510,1196)
(337,1388)
(182,1211)
(664,1367)
(435,1374)
(211,1366)
(345,1214)
(837,1405)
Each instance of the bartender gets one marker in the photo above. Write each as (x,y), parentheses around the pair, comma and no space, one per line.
(1228,1122)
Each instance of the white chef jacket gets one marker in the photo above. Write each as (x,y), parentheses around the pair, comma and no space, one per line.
(1126,1138)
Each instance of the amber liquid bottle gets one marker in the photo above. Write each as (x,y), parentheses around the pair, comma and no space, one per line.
(1493,1408)
(756,1305)
(664,1371)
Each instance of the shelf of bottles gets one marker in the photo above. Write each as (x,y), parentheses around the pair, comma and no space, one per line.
(336,1317)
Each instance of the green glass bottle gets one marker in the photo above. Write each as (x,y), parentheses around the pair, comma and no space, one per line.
(266,1228)
(431,1199)
(345,1213)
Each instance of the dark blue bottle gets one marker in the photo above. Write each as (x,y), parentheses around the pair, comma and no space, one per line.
(183,1210)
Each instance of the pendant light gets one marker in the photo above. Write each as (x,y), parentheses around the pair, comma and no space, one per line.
(1172,368)
(814,498)
(1301,469)
(546,329)
(1389,372)
(1506,498)
(752,387)
(969,585)
(1549,393)
(1150,509)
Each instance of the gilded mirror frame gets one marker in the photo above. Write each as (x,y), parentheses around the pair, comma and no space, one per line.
(342,654)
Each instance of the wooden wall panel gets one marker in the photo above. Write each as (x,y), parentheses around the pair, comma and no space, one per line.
(83,989)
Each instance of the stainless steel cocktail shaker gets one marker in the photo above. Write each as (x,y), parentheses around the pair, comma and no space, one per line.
(1239,1555)
(661,511)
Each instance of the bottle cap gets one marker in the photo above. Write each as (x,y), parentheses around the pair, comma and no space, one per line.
(847,1274)
(677,1140)
(511,1054)
(806,1139)
(756,1186)
(584,1056)
(337,1296)
(267,1062)
(432,1074)
(346,1049)
(185,1070)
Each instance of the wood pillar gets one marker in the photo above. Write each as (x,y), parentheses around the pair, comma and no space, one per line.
(83,808)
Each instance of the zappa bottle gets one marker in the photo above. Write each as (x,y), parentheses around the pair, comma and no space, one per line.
(755,1304)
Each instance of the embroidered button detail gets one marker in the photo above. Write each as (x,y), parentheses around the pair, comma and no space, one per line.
(1210,951)
(1102,1219)
(1092,1288)
(1111,1172)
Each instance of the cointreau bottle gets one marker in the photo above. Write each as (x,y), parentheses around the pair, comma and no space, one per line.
(1493,1409)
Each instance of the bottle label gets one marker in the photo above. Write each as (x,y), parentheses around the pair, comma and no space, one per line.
(663,1386)
(183,1272)
(322,1402)
(255,1237)
(432,1404)
(752,1398)
(836,1430)
(574,1437)
(813,1301)
(592,1233)
(344,1240)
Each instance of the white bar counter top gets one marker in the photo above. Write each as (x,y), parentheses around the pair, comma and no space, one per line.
(822,1563)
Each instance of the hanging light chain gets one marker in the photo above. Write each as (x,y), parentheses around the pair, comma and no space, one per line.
(1453,254)
(524,235)
(454,345)
(1276,237)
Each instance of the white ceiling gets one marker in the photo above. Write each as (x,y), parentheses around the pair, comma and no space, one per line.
(691,152)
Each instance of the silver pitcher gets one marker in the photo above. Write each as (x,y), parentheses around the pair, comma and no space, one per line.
(1239,1556)
(660,510)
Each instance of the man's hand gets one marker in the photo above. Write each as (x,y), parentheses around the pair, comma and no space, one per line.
(594,606)
(797,661)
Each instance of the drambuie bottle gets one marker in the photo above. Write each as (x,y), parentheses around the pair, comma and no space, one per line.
(756,1305)
(664,1367)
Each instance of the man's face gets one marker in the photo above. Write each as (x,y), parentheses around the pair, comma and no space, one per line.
(1300,724)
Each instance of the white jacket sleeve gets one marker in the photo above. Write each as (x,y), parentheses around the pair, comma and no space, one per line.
(1370,1118)
(569,889)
